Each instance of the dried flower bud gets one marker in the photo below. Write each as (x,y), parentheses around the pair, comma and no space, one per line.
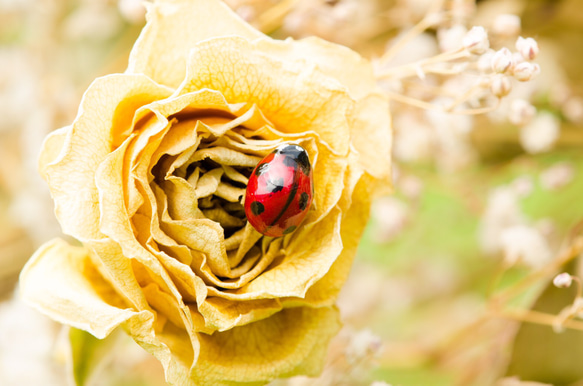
(526,245)
(476,40)
(557,176)
(526,71)
(563,280)
(451,38)
(485,81)
(133,11)
(523,186)
(528,47)
(540,134)
(362,344)
(572,109)
(506,25)
(485,61)
(521,112)
(246,12)
(501,86)
(502,60)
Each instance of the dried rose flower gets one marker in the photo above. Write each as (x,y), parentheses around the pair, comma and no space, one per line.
(149,177)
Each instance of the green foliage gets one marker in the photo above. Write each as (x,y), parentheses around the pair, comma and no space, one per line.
(89,355)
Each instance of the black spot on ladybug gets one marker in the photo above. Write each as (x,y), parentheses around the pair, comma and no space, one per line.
(261,169)
(277,185)
(289,230)
(257,208)
(304,197)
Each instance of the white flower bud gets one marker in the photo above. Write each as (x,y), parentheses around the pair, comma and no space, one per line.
(526,71)
(485,61)
(484,81)
(502,60)
(501,86)
(476,40)
(557,176)
(521,112)
(526,245)
(506,25)
(522,186)
(540,134)
(563,280)
(528,47)
(573,109)
(516,59)
(451,38)
(133,11)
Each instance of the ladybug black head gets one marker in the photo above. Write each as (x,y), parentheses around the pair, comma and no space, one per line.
(296,153)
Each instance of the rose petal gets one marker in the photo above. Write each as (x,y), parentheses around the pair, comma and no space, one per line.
(325,291)
(290,342)
(371,134)
(110,102)
(285,93)
(61,282)
(173,28)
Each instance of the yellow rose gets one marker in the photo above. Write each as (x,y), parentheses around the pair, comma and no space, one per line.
(149,176)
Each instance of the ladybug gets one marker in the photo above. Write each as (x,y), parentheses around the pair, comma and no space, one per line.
(280,191)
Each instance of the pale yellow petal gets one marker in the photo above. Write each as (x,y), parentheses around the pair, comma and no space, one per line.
(173,28)
(113,265)
(109,102)
(221,314)
(305,261)
(341,63)
(296,98)
(225,156)
(208,183)
(325,291)
(371,132)
(52,146)
(115,223)
(290,342)
(61,282)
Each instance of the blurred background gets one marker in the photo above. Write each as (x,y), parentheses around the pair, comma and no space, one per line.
(453,283)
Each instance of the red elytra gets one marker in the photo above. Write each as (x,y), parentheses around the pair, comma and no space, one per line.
(280,191)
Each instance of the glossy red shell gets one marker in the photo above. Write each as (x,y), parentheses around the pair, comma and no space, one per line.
(280,191)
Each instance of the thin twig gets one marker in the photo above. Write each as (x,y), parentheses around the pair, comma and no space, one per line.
(412,69)
(430,106)
(575,249)
(428,21)
(537,317)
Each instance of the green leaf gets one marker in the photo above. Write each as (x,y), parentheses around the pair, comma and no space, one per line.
(539,354)
(90,355)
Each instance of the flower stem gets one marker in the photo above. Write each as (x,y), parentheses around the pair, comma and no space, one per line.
(537,317)
(428,21)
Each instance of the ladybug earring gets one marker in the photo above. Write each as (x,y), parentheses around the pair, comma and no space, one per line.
(280,191)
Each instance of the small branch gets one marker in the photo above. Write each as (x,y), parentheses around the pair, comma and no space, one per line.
(482,110)
(428,21)
(575,249)
(412,69)
(412,101)
(464,97)
(537,317)
(272,18)
(430,106)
